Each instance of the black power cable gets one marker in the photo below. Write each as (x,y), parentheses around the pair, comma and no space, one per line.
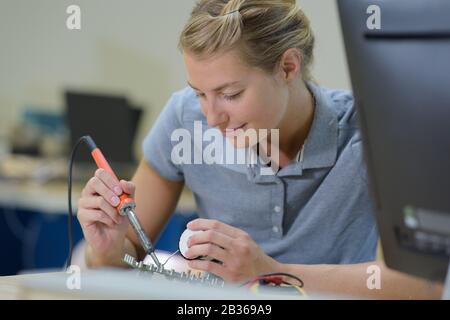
(90,143)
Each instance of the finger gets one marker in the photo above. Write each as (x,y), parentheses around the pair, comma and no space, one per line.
(128,187)
(209,266)
(211,236)
(109,180)
(89,189)
(207,250)
(88,217)
(98,202)
(208,224)
(100,188)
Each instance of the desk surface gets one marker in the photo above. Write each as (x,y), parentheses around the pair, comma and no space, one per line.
(52,197)
(119,284)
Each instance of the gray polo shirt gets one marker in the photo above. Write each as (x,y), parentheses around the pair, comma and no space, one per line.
(314,210)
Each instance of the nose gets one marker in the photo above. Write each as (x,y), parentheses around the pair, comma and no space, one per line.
(215,115)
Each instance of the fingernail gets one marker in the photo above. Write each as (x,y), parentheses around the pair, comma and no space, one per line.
(118,190)
(115,201)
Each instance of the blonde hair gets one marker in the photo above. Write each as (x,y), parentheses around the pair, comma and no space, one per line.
(262,30)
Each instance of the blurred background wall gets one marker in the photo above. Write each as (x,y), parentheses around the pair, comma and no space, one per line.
(123,47)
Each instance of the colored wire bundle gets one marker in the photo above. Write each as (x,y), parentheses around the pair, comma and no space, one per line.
(275,279)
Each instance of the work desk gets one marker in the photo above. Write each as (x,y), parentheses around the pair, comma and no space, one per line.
(112,283)
(127,284)
(100,284)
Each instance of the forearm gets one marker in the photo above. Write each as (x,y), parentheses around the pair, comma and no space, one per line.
(95,260)
(352,279)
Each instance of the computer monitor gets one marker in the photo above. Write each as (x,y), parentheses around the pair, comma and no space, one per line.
(110,121)
(400,72)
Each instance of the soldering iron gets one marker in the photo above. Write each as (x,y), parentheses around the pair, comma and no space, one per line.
(126,206)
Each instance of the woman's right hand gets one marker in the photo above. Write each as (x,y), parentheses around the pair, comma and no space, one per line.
(103,228)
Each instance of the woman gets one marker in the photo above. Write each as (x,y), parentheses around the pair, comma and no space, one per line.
(248,66)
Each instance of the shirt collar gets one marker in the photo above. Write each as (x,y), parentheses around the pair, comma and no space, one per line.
(320,150)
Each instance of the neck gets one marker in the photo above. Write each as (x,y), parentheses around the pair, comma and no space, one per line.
(296,123)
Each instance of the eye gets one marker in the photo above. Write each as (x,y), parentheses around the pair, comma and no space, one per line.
(232,97)
(200,95)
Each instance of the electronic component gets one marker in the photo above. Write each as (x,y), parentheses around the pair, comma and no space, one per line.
(207,279)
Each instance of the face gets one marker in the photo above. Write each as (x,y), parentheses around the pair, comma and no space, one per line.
(235,97)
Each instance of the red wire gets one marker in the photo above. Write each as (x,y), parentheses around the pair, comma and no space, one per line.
(277,280)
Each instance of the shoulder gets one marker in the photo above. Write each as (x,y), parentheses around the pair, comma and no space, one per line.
(184,105)
(350,142)
(342,103)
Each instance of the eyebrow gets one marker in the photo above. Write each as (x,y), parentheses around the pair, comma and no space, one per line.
(223,86)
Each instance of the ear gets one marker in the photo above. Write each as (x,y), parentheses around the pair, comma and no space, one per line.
(290,64)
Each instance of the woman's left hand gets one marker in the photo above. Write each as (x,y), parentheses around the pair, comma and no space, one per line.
(241,257)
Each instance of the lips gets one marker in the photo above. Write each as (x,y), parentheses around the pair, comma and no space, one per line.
(232,131)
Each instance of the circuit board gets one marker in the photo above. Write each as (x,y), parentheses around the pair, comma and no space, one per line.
(207,279)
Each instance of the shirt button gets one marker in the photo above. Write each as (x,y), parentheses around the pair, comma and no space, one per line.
(277,209)
(275,229)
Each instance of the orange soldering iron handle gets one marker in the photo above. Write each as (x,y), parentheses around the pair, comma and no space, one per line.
(101,162)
